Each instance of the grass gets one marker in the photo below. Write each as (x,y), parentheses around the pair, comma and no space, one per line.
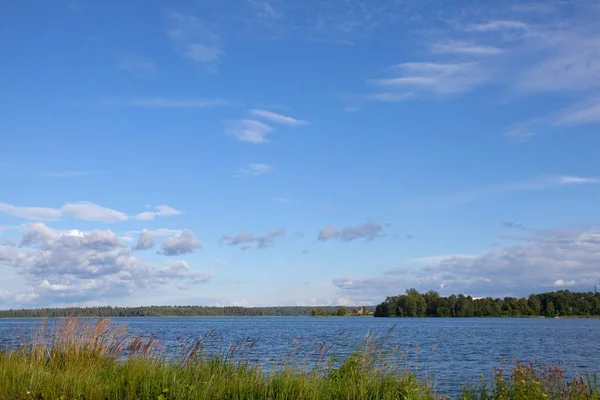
(78,359)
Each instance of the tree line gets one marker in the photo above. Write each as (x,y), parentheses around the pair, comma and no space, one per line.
(171,311)
(431,304)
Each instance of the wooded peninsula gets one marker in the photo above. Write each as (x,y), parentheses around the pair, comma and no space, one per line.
(553,304)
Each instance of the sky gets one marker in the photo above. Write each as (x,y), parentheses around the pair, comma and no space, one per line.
(272,152)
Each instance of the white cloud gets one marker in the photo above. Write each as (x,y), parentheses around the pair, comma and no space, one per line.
(250,131)
(255,169)
(436,78)
(278,118)
(368,231)
(440,258)
(545,261)
(245,239)
(158,232)
(468,48)
(179,244)
(574,64)
(85,211)
(39,213)
(194,40)
(265,8)
(67,174)
(165,102)
(146,240)
(139,65)
(78,266)
(329,232)
(582,113)
(478,194)
(498,25)
(161,211)
(587,112)
(92,212)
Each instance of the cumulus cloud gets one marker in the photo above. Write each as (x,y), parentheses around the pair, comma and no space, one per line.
(160,211)
(246,240)
(145,241)
(183,243)
(329,232)
(158,232)
(77,266)
(368,231)
(544,260)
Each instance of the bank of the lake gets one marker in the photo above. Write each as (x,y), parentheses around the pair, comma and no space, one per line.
(83,359)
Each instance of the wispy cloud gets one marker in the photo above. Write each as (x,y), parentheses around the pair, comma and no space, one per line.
(580,114)
(278,118)
(439,258)
(571,63)
(583,113)
(435,78)
(249,131)
(468,48)
(265,8)
(498,25)
(478,194)
(164,102)
(160,211)
(255,169)
(194,40)
(138,65)
(84,210)
(67,174)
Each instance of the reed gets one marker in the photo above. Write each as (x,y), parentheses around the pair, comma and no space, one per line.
(97,359)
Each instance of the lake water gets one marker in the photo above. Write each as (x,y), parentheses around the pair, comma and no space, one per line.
(450,351)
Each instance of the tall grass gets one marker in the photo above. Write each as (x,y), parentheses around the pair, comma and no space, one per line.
(78,359)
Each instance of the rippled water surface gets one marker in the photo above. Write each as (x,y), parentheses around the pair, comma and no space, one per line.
(450,351)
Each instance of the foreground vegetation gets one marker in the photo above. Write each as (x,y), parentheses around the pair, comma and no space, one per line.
(84,360)
(431,304)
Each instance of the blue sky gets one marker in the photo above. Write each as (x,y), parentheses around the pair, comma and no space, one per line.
(258,152)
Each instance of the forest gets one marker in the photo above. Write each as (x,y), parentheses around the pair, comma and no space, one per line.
(177,311)
(562,303)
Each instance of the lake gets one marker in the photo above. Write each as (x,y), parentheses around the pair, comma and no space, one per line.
(450,351)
